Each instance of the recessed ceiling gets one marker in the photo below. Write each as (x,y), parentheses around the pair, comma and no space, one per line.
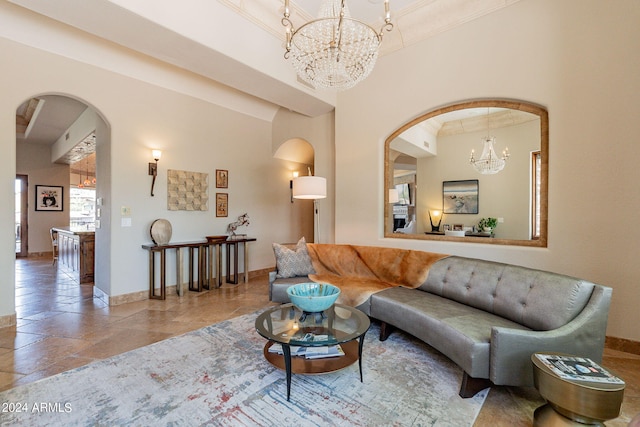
(42,120)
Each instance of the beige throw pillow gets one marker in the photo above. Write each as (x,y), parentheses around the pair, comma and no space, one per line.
(293,263)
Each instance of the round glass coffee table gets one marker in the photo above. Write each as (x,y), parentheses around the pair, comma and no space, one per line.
(340,324)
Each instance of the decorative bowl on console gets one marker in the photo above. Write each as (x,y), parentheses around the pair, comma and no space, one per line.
(313,297)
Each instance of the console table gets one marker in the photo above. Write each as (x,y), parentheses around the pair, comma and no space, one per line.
(231,244)
(467,234)
(209,256)
(198,284)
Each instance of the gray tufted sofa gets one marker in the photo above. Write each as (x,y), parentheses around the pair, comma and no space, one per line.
(490,317)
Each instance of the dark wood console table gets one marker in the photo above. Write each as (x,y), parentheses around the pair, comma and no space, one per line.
(202,281)
(232,244)
(209,255)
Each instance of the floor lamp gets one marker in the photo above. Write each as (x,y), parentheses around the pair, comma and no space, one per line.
(311,188)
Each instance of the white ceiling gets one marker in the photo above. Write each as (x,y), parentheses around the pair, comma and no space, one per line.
(239,43)
(52,118)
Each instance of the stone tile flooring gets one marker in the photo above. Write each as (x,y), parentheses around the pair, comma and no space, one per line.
(61,327)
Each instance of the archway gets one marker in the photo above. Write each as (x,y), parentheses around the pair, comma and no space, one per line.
(298,155)
(53,131)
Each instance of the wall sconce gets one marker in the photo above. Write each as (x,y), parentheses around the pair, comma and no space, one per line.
(438,216)
(153,167)
(294,175)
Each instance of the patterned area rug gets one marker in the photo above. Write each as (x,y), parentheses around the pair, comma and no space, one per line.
(218,376)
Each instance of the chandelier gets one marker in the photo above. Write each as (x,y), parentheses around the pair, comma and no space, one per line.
(333,51)
(489,163)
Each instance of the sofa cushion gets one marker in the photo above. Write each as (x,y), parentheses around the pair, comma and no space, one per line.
(293,263)
(537,299)
(279,287)
(460,332)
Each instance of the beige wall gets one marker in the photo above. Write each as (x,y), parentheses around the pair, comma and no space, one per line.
(35,162)
(579,60)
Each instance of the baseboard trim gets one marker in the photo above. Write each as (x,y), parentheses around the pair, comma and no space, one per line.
(622,344)
(100,294)
(132,297)
(262,272)
(40,255)
(8,320)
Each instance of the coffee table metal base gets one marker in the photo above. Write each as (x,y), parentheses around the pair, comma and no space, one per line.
(300,365)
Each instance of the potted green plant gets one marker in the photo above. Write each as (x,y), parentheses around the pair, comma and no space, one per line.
(487,224)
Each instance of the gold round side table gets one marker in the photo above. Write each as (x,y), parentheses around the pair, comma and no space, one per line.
(574,400)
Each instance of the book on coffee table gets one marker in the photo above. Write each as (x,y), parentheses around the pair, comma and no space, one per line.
(295,350)
(310,352)
(323,352)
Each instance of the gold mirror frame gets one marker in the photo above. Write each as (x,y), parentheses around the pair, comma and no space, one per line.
(544,172)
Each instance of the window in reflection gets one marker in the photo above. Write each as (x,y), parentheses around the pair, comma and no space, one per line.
(536,168)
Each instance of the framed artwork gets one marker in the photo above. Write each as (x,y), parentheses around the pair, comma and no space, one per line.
(460,197)
(49,198)
(222,204)
(222,178)
(187,191)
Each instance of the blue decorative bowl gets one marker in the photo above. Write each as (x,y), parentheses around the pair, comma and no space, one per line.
(313,297)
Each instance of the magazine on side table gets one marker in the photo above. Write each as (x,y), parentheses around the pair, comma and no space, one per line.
(577,368)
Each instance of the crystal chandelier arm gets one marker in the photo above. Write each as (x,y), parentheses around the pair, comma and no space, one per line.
(388,25)
(286,22)
(338,43)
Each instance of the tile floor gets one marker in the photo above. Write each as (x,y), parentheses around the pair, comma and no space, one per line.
(61,327)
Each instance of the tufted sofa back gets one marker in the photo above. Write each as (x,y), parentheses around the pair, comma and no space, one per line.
(537,299)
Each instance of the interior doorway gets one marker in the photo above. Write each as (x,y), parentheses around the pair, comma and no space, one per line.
(299,156)
(54,132)
(21,215)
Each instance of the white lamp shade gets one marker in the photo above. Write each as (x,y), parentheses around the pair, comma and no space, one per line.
(309,187)
(394,197)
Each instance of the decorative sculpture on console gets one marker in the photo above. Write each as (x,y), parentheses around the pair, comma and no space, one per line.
(242,220)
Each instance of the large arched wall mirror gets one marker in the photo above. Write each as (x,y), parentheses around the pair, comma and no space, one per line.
(434,192)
